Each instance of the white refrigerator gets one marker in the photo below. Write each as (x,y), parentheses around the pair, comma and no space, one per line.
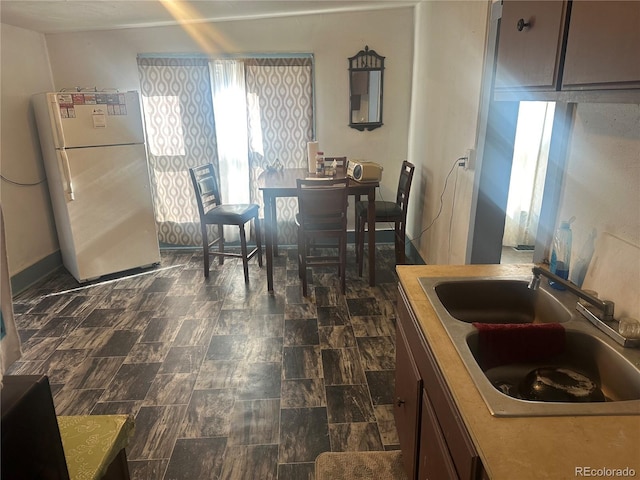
(96,164)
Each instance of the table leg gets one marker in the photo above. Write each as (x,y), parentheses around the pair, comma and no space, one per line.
(371,222)
(269,222)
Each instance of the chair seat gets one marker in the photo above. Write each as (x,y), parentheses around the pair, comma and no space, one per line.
(383,209)
(232,214)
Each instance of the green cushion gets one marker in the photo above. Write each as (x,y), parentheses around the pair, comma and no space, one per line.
(92,442)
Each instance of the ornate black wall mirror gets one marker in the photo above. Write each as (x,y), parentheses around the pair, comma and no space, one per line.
(366,73)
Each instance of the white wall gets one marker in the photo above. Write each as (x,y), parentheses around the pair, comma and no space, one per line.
(602,184)
(449,54)
(27,210)
(107,59)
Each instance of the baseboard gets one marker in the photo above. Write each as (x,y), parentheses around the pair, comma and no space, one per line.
(36,272)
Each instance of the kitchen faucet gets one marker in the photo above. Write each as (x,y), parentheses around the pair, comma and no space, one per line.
(605,323)
(606,306)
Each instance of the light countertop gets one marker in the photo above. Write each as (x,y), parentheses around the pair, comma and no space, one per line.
(522,447)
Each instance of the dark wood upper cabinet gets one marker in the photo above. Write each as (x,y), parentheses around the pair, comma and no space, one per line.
(603,46)
(578,50)
(530,44)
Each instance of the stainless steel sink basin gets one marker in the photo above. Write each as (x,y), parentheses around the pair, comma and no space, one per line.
(460,301)
(500,301)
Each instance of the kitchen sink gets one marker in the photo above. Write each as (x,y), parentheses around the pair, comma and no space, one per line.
(613,370)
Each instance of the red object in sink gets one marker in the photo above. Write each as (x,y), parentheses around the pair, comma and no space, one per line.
(505,343)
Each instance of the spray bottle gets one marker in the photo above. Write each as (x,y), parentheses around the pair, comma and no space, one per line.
(561,253)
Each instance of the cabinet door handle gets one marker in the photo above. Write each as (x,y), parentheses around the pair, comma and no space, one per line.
(400,402)
(522,24)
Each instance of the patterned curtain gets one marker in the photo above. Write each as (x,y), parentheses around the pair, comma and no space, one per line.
(176,97)
(280,99)
(177,101)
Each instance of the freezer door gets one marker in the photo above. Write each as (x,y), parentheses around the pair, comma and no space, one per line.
(95,119)
(112,219)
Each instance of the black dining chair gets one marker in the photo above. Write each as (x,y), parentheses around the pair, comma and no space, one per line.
(214,212)
(389,212)
(322,227)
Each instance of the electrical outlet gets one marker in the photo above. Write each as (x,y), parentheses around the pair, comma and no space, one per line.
(471,158)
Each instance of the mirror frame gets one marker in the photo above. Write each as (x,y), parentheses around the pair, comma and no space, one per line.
(365,62)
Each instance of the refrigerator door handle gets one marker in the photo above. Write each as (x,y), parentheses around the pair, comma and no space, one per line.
(59,132)
(66,174)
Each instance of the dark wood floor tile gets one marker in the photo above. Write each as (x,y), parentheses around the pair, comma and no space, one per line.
(119,344)
(342,366)
(156,432)
(339,336)
(386,424)
(171,389)
(148,353)
(183,360)
(216,374)
(204,309)
(26,368)
(147,301)
(304,434)
(263,380)
(355,437)
(250,462)
(25,335)
(147,469)
(130,407)
(196,459)
(92,338)
(40,348)
(58,327)
(76,402)
(267,325)
(175,306)
(227,347)
(266,304)
(377,353)
(255,422)
(162,329)
(233,322)
(293,292)
(209,293)
(301,332)
(263,349)
(161,284)
(102,317)
(373,326)
(118,298)
(32,321)
(297,471)
(359,307)
(330,316)
(208,414)
(304,392)
(131,382)
(94,372)
(133,320)
(303,310)
(51,304)
(79,306)
(328,296)
(196,331)
(381,386)
(349,403)
(302,362)
(61,364)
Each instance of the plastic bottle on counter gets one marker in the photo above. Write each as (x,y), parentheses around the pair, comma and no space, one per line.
(320,163)
(561,253)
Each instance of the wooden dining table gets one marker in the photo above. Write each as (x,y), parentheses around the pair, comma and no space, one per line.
(274,184)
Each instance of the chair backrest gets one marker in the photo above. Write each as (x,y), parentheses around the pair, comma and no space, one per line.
(205,185)
(404,186)
(322,204)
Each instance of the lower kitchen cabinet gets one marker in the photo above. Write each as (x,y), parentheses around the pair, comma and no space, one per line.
(434,441)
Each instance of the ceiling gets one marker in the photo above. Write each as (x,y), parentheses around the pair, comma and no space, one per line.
(57,16)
